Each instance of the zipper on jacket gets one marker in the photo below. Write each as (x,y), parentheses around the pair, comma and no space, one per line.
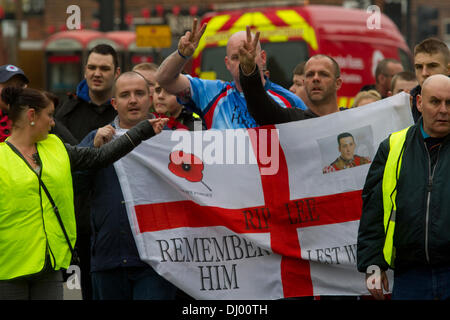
(429,189)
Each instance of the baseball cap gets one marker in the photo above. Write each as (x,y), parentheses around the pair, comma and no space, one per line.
(8,70)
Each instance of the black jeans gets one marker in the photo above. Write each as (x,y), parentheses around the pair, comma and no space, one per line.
(46,286)
(131,283)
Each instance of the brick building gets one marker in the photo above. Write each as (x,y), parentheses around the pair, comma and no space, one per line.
(42,18)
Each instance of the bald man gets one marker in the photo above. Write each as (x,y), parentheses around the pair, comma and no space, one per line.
(406,207)
(117,271)
(221,104)
(322,80)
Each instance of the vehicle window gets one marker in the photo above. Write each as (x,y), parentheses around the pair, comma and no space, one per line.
(213,59)
(282,57)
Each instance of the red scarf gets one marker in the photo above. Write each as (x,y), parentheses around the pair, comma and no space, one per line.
(173,124)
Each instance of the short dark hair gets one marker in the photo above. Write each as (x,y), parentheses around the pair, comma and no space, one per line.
(52,97)
(337,70)
(300,69)
(20,99)
(106,49)
(404,75)
(432,46)
(344,135)
(382,66)
(128,74)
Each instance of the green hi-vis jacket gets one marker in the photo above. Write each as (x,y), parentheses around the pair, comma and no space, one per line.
(389,187)
(29,229)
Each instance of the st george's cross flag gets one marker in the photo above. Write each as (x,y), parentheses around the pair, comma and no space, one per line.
(257,213)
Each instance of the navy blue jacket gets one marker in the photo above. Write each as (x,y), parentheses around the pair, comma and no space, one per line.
(112,242)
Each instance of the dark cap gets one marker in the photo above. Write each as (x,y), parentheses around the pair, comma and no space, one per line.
(7,71)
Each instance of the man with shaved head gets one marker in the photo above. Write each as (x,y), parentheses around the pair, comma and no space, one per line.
(406,204)
(116,269)
(221,104)
(322,80)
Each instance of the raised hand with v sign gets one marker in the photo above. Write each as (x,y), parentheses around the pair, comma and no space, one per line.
(189,42)
(247,52)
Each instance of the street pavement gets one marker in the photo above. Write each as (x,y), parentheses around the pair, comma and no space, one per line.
(71,294)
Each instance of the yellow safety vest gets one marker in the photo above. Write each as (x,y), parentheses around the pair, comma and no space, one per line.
(29,229)
(389,187)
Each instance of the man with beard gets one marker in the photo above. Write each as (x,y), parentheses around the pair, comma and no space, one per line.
(221,104)
(117,271)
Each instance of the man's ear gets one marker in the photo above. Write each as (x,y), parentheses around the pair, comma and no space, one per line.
(227,63)
(419,103)
(380,78)
(338,83)
(114,103)
(117,73)
(263,55)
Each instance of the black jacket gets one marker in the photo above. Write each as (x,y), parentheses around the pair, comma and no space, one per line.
(63,133)
(82,158)
(112,241)
(75,118)
(421,235)
(81,117)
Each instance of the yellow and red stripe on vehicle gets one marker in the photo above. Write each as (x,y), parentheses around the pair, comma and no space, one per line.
(345,102)
(275,26)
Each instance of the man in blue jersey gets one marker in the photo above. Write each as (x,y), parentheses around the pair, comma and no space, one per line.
(221,104)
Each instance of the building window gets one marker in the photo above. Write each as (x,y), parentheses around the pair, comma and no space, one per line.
(446,28)
(33,7)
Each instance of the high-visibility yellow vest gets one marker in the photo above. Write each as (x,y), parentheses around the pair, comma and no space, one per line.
(29,229)
(389,187)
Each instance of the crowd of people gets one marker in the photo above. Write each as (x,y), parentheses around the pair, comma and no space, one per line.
(61,197)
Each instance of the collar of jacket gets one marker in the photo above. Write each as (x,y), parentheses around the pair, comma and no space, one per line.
(83,92)
(115,122)
(416,133)
(415,91)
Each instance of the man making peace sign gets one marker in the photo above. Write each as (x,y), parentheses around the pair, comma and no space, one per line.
(221,104)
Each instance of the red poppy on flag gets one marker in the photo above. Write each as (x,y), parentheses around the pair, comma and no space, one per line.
(187,166)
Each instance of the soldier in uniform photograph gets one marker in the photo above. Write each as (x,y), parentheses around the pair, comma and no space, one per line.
(347,158)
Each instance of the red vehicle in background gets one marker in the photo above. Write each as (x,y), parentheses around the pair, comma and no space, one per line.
(65,53)
(129,53)
(357,40)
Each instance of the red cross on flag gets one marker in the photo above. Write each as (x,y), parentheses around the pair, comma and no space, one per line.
(251,214)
